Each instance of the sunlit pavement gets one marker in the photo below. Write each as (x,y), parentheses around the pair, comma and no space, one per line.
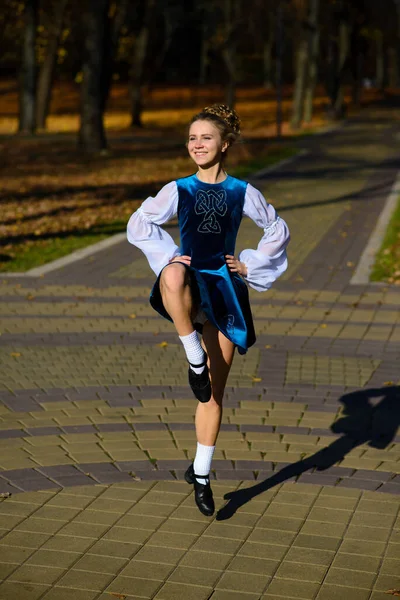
(96,418)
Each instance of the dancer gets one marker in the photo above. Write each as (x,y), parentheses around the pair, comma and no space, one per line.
(201,286)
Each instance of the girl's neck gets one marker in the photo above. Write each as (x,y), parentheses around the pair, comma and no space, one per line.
(214,174)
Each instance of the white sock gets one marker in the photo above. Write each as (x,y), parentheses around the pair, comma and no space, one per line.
(202,462)
(194,351)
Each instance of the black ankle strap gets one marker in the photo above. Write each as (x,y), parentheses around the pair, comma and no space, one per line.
(203,364)
(201,476)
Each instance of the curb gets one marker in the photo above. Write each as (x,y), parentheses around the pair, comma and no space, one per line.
(367,260)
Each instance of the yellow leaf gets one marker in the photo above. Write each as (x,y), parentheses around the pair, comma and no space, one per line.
(257,379)
(132,316)
(163,344)
(388,383)
(268,346)
(15,354)
(323,325)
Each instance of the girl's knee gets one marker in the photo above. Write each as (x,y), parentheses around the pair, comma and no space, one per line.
(173,277)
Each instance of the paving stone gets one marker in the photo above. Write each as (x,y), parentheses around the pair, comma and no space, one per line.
(52,558)
(22,591)
(231,595)
(246,582)
(160,554)
(58,593)
(337,592)
(290,588)
(301,571)
(85,580)
(180,591)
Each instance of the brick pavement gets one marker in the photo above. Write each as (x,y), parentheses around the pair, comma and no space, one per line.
(96,419)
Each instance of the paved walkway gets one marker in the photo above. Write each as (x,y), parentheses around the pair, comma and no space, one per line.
(96,419)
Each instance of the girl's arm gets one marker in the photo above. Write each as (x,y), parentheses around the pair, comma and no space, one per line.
(144,231)
(265,264)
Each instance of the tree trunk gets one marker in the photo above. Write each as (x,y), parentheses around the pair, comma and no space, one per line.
(46,74)
(299,88)
(380,62)
(267,54)
(138,66)
(205,45)
(392,67)
(113,34)
(228,50)
(344,36)
(313,61)
(27,96)
(228,55)
(278,67)
(92,135)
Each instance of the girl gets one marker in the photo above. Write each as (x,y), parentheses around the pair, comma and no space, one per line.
(201,285)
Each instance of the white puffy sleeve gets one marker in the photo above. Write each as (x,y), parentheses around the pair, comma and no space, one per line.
(144,231)
(269,261)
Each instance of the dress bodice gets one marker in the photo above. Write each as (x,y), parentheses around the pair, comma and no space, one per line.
(209,217)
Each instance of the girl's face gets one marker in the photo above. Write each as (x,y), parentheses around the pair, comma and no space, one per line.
(205,145)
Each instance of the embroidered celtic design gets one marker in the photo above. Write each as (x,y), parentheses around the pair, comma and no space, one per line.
(211,204)
(230,325)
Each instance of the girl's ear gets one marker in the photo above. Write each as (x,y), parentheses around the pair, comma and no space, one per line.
(225,146)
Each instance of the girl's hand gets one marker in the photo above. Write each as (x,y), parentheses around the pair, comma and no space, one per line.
(235,266)
(182,259)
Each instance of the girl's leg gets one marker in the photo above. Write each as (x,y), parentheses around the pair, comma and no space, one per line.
(176,294)
(220,352)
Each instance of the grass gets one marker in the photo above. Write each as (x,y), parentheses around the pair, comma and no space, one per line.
(387,262)
(26,257)
(256,164)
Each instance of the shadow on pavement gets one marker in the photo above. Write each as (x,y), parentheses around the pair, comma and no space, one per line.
(369,416)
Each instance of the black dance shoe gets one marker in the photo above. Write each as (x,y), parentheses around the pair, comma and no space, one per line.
(202,493)
(200,384)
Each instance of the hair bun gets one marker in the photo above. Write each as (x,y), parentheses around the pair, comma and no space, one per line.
(226,114)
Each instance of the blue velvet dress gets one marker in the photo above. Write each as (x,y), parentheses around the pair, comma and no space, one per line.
(209,217)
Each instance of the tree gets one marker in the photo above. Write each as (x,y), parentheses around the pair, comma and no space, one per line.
(229,48)
(27,97)
(342,61)
(115,24)
(312,60)
(138,62)
(92,135)
(46,74)
(301,67)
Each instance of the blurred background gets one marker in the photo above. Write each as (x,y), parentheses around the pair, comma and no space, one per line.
(95,96)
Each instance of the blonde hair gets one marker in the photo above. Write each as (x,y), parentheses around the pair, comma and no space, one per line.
(224,118)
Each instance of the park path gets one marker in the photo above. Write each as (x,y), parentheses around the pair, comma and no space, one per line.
(96,419)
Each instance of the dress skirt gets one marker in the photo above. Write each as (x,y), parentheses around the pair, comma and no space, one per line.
(223,298)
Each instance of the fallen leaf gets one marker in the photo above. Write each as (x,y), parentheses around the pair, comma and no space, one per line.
(350,264)
(120,596)
(163,344)
(393,592)
(257,379)
(268,346)
(323,325)
(132,316)
(388,383)
(15,354)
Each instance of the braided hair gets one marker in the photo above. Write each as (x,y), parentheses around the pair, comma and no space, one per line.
(224,118)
